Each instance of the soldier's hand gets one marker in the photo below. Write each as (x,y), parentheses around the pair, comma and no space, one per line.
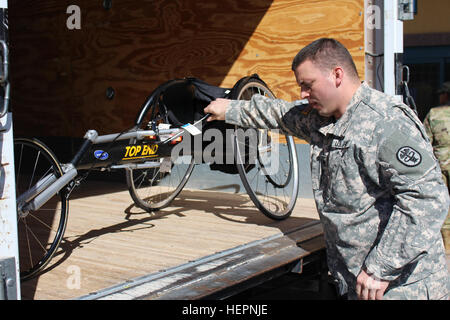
(217,109)
(370,288)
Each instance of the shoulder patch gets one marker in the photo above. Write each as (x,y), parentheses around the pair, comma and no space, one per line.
(409,156)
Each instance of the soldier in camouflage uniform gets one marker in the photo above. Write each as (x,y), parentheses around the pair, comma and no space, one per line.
(437,126)
(377,185)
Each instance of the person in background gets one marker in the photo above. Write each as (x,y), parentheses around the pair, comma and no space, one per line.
(437,126)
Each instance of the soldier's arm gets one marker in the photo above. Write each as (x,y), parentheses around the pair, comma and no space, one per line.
(411,172)
(264,113)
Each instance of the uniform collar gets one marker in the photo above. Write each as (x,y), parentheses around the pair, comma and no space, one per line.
(338,128)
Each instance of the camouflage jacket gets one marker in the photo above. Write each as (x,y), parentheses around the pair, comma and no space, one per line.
(437,126)
(376,183)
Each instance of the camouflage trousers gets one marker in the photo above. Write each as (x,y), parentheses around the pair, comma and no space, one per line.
(445,176)
(445,230)
(434,287)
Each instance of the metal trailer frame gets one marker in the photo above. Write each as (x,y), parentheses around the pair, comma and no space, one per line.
(9,251)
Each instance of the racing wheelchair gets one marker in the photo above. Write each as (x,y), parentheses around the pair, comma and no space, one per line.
(155,174)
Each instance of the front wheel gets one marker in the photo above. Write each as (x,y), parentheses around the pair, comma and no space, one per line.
(39,232)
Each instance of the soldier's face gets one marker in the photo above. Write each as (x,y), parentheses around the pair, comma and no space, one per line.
(318,87)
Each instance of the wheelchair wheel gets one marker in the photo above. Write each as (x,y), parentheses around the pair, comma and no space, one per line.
(267,162)
(39,232)
(154,188)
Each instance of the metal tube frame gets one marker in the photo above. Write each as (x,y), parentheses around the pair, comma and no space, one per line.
(47,187)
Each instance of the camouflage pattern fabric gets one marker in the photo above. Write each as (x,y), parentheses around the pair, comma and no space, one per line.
(437,126)
(377,187)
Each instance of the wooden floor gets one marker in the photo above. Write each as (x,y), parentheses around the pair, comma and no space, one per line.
(109,241)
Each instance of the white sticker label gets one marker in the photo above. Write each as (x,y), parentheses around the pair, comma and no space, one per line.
(164,126)
(193,130)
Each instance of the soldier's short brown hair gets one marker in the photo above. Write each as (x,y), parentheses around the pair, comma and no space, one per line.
(327,53)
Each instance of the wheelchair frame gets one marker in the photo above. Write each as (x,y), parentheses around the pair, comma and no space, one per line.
(129,155)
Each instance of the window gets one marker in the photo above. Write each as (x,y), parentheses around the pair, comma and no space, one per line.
(429,68)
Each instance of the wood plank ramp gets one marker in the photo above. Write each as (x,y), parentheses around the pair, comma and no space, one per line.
(114,250)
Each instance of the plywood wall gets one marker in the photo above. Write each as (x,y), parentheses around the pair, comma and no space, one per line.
(59,77)
(288,26)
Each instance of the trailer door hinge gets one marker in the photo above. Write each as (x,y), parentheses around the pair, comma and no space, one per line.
(8,283)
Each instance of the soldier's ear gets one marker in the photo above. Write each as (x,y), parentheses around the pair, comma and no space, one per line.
(339,75)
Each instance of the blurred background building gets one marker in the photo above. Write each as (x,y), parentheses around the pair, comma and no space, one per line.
(427,51)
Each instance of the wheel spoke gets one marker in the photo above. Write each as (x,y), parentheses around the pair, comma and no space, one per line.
(42,222)
(35,237)
(34,169)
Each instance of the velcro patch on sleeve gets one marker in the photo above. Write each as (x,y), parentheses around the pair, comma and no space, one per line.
(406,155)
(409,156)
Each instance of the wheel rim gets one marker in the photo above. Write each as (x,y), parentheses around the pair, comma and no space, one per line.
(155,188)
(272,180)
(39,232)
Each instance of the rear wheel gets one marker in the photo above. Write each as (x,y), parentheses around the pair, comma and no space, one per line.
(267,162)
(40,232)
(155,187)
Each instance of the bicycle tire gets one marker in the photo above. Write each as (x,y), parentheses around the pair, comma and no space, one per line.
(40,232)
(265,196)
(163,187)
(156,200)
